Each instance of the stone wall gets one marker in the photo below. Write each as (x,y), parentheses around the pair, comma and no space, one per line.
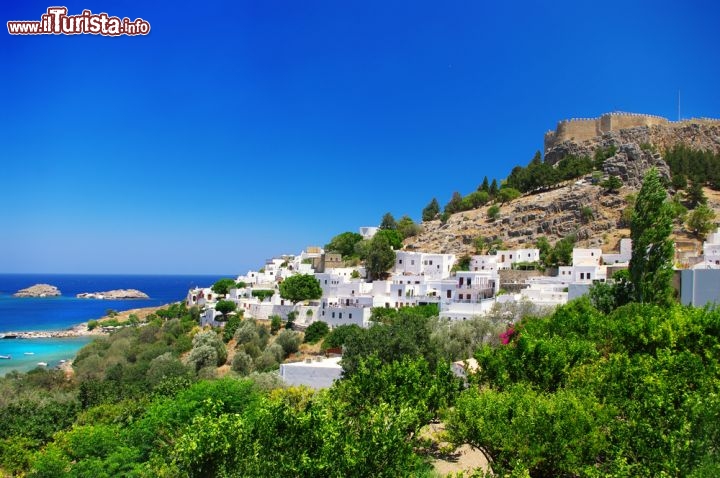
(584,129)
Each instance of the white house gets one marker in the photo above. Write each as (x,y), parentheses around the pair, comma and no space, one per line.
(624,255)
(200,296)
(506,258)
(711,252)
(434,266)
(586,257)
(318,373)
(367,232)
(484,263)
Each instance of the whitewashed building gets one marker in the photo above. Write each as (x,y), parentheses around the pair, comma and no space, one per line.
(433,266)
(506,258)
(622,257)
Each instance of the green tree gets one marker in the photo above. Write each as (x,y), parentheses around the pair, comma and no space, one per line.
(291,316)
(209,338)
(344,244)
(300,287)
(612,184)
(289,340)
(379,256)
(338,336)
(225,307)
(223,286)
(477,198)
(493,188)
(406,227)
(493,212)
(388,222)
(543,245)
(480,243)
(508,194)
(275,324)
(231,326)
(695,194)
(431,211)
(701,221)
(393,237)
(652,251)
(455,203)
(485,186)
(316,331)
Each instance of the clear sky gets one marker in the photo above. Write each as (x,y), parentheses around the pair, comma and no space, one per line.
(240,130)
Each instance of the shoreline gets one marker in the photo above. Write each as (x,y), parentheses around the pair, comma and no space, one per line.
(80,330)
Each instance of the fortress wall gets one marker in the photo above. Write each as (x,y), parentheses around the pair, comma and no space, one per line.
(582,129)
(577,129)
(617,121)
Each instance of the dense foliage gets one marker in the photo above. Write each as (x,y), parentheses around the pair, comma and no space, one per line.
(584,394)
(576,393)
(686,163)
(300,287)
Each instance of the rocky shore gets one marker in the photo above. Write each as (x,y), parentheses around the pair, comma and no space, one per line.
(38,290)
(114,294)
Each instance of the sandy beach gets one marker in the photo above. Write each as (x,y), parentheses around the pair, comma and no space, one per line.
(81,330)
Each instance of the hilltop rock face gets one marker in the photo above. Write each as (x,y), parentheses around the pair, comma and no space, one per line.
(114,294)
(695,135)
(631,163)
(553,214)
(38,290)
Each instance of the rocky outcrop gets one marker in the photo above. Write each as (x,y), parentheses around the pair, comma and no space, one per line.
(114,294)
(701,135)
(632,162)
(38,290)
(553,214)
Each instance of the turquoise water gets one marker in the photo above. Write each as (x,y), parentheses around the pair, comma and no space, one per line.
(50,351)
(60,313)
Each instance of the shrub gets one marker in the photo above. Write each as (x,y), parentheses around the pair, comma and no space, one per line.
(316,331)
(289,340)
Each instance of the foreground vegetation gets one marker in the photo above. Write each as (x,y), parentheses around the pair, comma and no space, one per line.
(635,392)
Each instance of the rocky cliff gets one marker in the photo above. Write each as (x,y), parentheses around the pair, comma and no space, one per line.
(577,207)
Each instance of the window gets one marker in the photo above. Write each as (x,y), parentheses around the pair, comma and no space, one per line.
(449,294)
(399,261)
(323,313)
(340,315)
(399,293)
(349,315)
(333,315)
(412,262)
(430,262)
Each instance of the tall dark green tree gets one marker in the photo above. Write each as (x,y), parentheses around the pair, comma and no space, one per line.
(493,188)
(652,251)
(485,186)
(388,222)
(379,256)
(431,211)
(695,194)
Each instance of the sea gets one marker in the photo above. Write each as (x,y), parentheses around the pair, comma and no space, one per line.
(60,313)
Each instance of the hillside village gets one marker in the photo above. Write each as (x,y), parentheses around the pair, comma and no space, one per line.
(469,264)
(422,278)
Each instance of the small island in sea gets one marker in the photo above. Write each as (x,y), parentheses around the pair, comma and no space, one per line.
(38,290)
(114,294)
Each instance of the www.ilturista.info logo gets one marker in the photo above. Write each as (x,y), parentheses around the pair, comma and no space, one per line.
(57,22)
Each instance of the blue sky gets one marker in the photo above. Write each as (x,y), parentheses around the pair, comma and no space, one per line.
(240,130)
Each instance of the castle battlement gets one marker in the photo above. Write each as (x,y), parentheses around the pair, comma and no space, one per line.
(583,129)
